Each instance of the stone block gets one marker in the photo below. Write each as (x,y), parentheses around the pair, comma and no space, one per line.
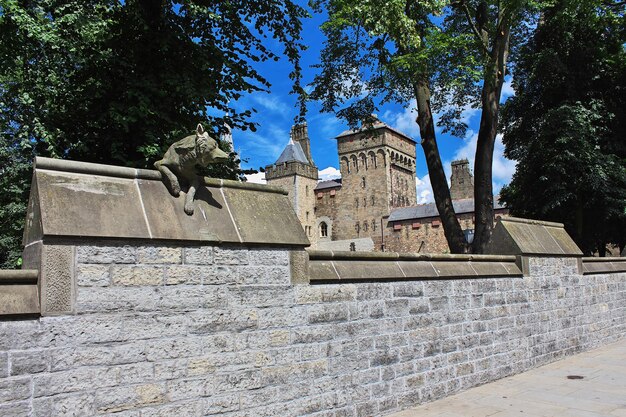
(74,404)
(159,255)
(269,257)
(17,409)
(29,362)
(299,267)
(4,364)
(199,274)
(79,379)
(93,275)
(19,299)
(136,275)
(328,314)
(124,398)
(96,254)
(263,275)
(192,407)
(57,279)
(325,293)
(202,255)
(230,256)
(15,389)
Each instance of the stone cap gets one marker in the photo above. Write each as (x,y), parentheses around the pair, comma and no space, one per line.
(80,199)
(592,265)
(516,236)
(19,293)
(376,266)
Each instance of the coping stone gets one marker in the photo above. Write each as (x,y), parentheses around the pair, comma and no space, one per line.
(515,236)
(79,199)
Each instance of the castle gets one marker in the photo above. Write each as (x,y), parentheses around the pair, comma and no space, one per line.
(374,204)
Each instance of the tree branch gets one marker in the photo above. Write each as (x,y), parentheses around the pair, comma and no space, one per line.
(475,30)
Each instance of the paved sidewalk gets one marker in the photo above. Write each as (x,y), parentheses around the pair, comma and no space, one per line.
(545,391)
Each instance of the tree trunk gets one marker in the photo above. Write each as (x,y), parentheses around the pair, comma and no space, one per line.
(451,227)
(483,187)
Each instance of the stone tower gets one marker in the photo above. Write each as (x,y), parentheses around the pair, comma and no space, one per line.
(295,171)
(378,174)
(461,180)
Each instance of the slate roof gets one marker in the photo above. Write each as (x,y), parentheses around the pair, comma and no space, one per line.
(376,125)
(430,210)
(323,185)
(292,152)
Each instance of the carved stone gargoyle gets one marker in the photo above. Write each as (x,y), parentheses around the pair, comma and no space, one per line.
(178,166)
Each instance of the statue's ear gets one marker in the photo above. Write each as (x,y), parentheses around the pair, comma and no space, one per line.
(199,129)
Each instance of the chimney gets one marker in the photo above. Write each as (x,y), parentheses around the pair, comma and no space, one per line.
(300,134)
(461,180)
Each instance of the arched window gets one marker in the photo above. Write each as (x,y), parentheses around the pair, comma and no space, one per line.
(357,227)
(365,226)
(374,224)
(363,182)
(323,229)
(373,200)
(363,161)
(356,202)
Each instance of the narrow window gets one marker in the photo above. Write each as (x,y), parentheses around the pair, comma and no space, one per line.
(323,229)
(365,226)
(363,182)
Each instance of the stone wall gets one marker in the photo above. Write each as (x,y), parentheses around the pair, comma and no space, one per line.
(165,329)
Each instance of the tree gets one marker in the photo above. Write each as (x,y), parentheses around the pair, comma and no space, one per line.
(445,56)
(117,82)
(566,125)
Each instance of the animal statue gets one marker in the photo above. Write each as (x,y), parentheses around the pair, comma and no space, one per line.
(178,165)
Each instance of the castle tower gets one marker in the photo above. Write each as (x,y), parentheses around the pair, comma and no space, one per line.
(295,171)
(461,180)
(378,174)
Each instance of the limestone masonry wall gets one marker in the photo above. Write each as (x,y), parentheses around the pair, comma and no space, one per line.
(169,330)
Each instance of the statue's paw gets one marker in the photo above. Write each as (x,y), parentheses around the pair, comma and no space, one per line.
(175,190)
(189,208)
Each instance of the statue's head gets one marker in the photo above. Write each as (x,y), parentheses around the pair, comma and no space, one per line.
(207,150)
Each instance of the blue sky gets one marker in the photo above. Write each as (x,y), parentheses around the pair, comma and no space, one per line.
(276,111)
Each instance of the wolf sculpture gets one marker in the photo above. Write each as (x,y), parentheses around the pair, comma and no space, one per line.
(178,166)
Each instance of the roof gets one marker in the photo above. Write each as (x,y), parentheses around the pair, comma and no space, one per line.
(292,152)
(323,185)
(376,125)
(430,210)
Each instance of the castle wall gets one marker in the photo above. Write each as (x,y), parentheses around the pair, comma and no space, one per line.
(165,329)
(424,235)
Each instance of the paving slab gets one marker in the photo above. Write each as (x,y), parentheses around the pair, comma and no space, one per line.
(545,391)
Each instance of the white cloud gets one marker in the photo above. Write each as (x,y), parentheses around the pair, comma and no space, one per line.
(330,173)
(405,120)
(262,148)
(503,168)
(272,103)
(424,190)
(258,178)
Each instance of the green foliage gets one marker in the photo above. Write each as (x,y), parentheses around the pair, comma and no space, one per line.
(566,125)
(117,82)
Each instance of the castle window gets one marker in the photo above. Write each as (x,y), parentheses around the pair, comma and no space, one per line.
(363,161)
(307,216)
(323,229)
(357,227)
(365,226)
(373,200)
(307,191)
(374,164)
(364,201)
(356,202)
(363,182)
(374,224)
